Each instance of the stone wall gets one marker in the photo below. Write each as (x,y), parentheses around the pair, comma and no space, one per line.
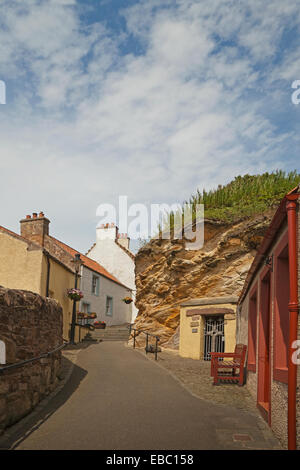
(30,325)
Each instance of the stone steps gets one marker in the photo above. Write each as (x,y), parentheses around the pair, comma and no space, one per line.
(112,333)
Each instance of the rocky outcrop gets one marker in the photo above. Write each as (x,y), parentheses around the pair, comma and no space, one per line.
(168,274)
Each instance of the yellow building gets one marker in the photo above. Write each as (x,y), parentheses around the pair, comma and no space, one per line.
(26,263)
(207,325)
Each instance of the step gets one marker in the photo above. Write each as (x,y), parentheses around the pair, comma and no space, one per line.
(110,334)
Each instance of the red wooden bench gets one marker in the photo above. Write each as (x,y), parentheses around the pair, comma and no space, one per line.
(237,361)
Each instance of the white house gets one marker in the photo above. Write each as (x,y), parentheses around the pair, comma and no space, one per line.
(111,249)
(103,292)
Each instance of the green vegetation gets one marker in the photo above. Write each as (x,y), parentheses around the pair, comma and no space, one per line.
(243,197)
(246,195)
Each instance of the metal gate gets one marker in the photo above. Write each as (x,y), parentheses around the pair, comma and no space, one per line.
(214,340)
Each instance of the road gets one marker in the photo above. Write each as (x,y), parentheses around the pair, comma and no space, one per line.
(117,399)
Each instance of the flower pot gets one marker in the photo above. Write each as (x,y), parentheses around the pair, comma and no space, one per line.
(99,327)
(75,297)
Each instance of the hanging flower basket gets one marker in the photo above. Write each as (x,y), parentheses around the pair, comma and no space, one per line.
(92,315)
(75,294)
(100,325)
(127,300)
(80,315)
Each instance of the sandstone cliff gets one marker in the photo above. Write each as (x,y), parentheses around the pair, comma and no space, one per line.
(167,274)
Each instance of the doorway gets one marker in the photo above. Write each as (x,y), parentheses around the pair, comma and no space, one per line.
(264,369)
(214,340)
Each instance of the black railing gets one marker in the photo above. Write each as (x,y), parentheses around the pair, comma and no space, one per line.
(33,359)
(157,339)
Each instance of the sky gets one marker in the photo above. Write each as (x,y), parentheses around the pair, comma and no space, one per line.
(151,99)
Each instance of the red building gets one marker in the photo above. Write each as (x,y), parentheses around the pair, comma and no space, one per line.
(268,322)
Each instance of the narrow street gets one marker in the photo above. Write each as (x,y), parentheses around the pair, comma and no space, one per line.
(118,399)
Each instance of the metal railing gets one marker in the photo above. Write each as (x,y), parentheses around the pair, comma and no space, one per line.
(157,339)
(33,359)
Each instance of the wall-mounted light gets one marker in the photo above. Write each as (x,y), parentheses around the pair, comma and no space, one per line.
(269,262)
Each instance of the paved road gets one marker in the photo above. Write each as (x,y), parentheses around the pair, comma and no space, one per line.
(118,399)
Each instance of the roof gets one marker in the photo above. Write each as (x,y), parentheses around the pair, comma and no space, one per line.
(276,222)
(16,235)
(210,301)
(89,263)
(36,246)
(128,252)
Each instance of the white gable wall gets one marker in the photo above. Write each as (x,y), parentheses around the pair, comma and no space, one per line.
(121,313)
(113,258)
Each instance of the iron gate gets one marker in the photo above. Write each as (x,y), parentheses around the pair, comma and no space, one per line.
(214,340)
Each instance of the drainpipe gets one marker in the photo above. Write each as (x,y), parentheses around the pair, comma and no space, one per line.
(291,207)
(48,277)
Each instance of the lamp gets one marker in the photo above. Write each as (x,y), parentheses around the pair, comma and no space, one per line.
(77,263)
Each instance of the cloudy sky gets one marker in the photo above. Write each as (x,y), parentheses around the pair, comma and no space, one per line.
(145,98)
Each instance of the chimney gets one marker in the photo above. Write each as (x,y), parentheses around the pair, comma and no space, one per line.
(35,228)
(124,240)
(107,231)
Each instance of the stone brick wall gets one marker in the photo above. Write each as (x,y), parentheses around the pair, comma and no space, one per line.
(30,325)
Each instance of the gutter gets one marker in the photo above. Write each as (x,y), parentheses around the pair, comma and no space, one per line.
(291,208)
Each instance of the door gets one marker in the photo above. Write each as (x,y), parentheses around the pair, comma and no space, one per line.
(263,388)
(213,336)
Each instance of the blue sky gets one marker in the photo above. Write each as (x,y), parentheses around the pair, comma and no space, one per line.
(149,99)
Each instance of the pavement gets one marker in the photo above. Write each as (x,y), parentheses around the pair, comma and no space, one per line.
(118,399)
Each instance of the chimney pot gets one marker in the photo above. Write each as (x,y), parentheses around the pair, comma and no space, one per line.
(41,214)
(28,216)
(34,215)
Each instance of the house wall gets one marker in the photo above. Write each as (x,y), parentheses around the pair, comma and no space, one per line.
(60,281)
(122,313)
(20,264)
(277,417)
(113,258)
(191,344)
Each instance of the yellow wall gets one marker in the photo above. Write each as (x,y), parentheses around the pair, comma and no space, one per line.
(192,344)
(20,268)
(23,268)
(60,281)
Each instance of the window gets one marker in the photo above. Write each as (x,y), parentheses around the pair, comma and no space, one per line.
(85,307)
(109,306)
(95,285)
(252,327)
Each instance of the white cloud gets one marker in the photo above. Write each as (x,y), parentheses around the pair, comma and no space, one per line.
(91,123)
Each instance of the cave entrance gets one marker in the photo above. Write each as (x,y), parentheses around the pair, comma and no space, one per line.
(214,340)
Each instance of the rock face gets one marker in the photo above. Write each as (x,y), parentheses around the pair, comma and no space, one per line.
(167,274)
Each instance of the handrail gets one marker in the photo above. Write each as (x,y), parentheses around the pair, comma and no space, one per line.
(27,361)
(86,325)
(157,338)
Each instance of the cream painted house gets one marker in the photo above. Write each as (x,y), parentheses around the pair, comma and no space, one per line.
(26,265)
(111,250)
(207,325)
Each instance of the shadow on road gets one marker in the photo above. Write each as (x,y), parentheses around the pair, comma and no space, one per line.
(18,432)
